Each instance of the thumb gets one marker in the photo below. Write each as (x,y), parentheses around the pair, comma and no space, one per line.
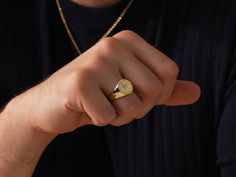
(184,93)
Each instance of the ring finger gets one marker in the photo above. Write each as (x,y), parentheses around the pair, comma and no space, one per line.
(127,107)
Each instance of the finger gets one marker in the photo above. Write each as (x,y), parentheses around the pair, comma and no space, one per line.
(161,65)
(128,107)
(85,119)
(97,106)
(147,54)
(146,84)
(185,92)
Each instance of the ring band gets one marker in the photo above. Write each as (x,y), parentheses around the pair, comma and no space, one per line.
(123,88)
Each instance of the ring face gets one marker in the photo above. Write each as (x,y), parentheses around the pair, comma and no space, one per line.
(123,88)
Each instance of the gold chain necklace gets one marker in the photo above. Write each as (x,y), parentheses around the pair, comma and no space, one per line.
(113,26)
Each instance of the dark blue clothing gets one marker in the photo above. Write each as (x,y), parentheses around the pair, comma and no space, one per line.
(198,140)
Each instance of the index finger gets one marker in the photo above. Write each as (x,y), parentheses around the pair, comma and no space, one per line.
(154,59)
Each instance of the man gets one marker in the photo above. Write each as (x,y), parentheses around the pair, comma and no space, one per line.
(88,89)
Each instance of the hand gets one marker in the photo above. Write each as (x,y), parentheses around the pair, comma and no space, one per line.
(78,93)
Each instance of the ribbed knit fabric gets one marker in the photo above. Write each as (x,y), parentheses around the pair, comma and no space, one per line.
(197,140)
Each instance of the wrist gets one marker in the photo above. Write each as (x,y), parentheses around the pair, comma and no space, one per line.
(21,145)
(20,115)
(27,109)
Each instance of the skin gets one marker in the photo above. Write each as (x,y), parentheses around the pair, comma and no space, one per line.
(77,95)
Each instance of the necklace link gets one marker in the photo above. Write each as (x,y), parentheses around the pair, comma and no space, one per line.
(113,26)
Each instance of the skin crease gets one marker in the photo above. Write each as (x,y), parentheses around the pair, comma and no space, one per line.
(75,96)
(96,3)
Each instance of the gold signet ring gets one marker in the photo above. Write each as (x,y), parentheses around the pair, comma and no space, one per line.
(123,88)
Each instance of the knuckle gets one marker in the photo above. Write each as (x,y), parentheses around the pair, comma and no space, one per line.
(141,115)
(99,63)
(79,79)
(78,75)
(117,124)
(170,69)
(127,34)
(104,118)
(108,46)
(95,65)
(121,122)
(100,122)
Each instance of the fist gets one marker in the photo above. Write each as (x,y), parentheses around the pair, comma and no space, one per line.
(79,93)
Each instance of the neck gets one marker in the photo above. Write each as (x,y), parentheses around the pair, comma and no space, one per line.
(96,3)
